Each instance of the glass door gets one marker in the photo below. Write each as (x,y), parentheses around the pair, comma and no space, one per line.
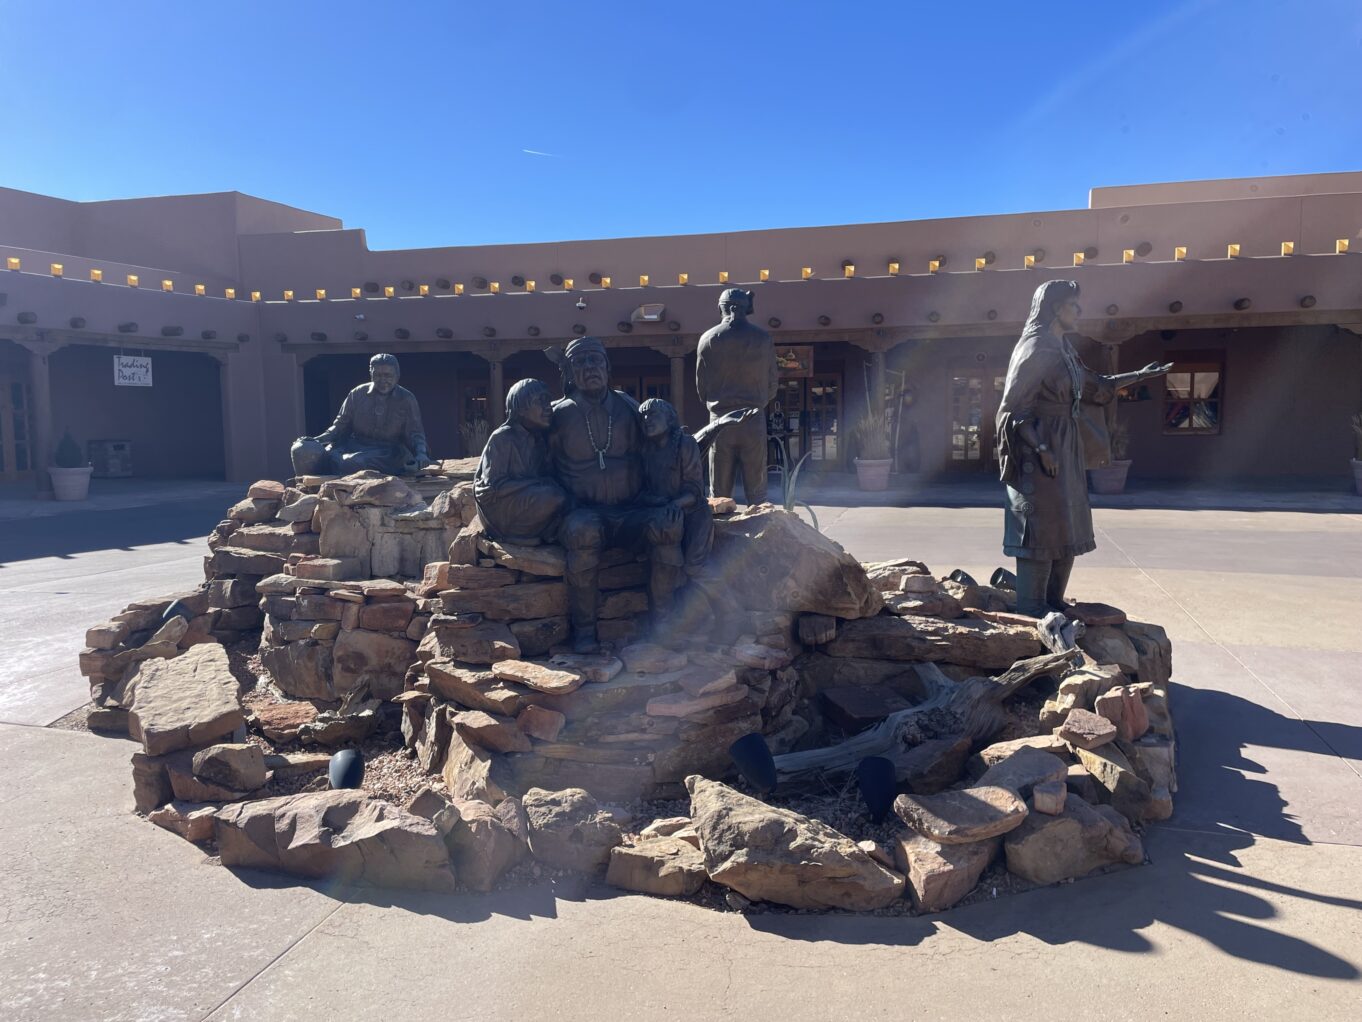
(15,439)
(823,420)
(971,405)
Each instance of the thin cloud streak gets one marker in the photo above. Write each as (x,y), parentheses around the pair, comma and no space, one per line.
(536,152)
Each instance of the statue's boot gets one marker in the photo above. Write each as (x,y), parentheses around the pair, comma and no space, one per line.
(1058,583)
(1033,577)
(582,599)
(663,582)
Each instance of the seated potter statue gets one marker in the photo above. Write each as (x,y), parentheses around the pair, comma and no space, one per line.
(378,427)
(674,471)
(518,499)
(597,444)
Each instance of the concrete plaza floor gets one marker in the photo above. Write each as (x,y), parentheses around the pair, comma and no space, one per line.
(1249,909)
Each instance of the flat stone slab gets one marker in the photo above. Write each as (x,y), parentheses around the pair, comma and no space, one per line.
(1024,769)
(184,702)
(959,817)
(938,874)
(538,677)
(1084,729)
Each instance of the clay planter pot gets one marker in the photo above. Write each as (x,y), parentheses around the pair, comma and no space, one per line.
(71,483)
(873,473)
(1111,479)
(1357,475)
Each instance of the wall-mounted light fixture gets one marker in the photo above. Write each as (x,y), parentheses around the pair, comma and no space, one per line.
(1127,255)
(1340,246)
(13,263)
(1028,262)
(933,265)
(288,296)
(167,285)
(133,280)
(683,278)
(893,267)
(1288,248)
(1078,258)
(848,270)
(255,296)
(1179,253)
(57,269)
(355,292)
(605,282)
(458,289)
(805,272)
(423,290)
(529,286)
(980,262)
(229,293)
(1232,251)
(723,276)
(389,291)
(567,283)
(763,275)
(494,287)
(97,276)
(642,280)
(321,294)
(200,289)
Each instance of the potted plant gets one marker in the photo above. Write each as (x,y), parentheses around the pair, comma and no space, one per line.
(1357,451)
(70,471)
(872,445)
(1112,478)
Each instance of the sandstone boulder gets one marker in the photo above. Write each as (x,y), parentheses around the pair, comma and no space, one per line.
(1124,707)
(496,734)
(1047,849)
(1086,730)
(970,642)
(301,669)
(568,829)
(1024,769)
(239,766)
(539,677)
(185,702)
(939,875)
(771,854)
(1153,651)
(1126,791)
(961,817)
(344,835)
(372,661)
(767,558)
(475,689)
(1109,645)
(660,865)
(649,658)
(193,821)
(888,576)
(470,640)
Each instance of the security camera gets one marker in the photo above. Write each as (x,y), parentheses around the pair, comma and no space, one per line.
(581,303)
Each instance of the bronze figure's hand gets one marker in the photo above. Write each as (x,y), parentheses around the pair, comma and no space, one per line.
(1048,464)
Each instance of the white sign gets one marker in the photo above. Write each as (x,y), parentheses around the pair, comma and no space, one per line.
(132,370)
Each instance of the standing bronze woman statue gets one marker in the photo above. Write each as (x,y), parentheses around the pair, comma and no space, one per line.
(1051,430)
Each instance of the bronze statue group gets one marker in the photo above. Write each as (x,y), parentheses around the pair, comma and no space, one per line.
(595,471)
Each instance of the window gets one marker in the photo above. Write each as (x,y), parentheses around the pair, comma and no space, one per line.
(1192,397)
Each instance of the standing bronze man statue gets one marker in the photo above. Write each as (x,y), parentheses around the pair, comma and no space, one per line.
(735,368)
(378,427)
(1050,430)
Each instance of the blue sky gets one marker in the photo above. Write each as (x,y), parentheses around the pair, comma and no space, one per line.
(520,120)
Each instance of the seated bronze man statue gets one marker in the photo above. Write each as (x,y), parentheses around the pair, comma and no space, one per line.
(518,499)
(596,441)
(378,427)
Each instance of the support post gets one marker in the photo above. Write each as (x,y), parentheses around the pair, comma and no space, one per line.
(496,390)
(40,397)
(678,384)
(876,397)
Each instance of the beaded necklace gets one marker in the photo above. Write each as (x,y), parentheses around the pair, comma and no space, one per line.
(591,437)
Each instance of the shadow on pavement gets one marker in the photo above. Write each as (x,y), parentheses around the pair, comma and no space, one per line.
(78,532)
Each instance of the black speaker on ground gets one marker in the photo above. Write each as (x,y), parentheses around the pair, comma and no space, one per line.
(753,758)
(346,769)
(875,778)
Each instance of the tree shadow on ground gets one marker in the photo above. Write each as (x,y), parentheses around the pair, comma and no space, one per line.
(1195,881)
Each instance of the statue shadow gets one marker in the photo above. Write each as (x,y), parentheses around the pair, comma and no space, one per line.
(1195,880)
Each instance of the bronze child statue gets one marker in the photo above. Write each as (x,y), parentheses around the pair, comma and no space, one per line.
(674,471)
(518,499)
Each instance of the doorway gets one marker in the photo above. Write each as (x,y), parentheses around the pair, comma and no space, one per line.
(813,415)
(16,442)
(972,401)
(642,387)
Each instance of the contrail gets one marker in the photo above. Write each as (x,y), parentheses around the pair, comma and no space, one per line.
(536,152)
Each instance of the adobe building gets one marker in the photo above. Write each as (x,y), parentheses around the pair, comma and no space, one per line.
(254,318)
